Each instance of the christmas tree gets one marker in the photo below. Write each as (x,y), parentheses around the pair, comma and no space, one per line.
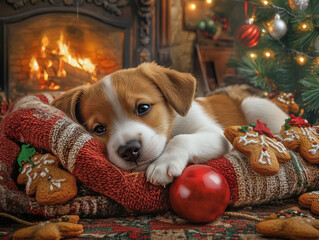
(278,50)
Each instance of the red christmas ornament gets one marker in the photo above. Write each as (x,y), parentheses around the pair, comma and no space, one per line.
(248,35)
(200,194)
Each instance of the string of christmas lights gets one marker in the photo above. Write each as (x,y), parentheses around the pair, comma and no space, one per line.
(279,49)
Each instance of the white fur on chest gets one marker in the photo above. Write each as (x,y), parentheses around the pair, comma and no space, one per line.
(196,138)
(196,119)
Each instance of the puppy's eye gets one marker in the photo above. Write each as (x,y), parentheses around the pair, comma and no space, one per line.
(99,129)
(143,108)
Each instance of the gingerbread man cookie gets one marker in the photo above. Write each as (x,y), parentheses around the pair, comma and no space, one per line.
(44,179)
(290,223)
(310,200)
(286,102)
(299,136)
(64,227)
(257,143)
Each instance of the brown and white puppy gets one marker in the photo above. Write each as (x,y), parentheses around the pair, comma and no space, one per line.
(148,120)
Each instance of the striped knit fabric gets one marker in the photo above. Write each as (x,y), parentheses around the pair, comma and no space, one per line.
(32,120)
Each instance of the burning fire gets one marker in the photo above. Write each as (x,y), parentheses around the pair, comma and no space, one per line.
(54,66)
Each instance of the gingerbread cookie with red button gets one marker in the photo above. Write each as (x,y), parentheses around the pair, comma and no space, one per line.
(299,136)
(44,179)
(290,223)
(256,142)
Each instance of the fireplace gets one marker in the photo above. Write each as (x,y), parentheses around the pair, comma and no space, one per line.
(58,55)
(55,45)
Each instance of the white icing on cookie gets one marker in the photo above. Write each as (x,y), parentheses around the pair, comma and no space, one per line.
(314,150)
(27,169)
(293,135)
(262,155)
(265,142)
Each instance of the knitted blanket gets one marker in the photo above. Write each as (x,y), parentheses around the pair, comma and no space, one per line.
(32,120)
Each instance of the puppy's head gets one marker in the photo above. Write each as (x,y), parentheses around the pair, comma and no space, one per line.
(131,111)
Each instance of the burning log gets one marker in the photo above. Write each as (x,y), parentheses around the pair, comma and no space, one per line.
(76,75)
(55,69)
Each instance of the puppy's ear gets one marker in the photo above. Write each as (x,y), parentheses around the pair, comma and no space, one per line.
(178,88)
(69,102)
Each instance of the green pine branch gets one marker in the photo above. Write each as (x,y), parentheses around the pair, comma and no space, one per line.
(282,71)
(310,93)
(262,73)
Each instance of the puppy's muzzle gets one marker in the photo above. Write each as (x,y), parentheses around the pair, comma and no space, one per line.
(130,151)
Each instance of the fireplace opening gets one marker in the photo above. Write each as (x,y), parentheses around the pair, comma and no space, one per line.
(56,52)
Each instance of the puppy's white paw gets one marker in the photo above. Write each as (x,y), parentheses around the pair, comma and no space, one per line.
(164,169)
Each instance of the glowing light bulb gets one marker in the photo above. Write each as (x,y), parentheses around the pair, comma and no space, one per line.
(192,6)
(252,20)
(265,2)
(253,55)
(301,60)
(304,26)
(209,1)
(268,53)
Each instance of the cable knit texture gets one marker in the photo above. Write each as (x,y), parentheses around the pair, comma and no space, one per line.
(32,120)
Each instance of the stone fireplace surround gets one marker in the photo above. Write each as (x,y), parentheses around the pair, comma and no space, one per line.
(143,22)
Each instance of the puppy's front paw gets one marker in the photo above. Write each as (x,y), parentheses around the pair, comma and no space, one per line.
(163,170)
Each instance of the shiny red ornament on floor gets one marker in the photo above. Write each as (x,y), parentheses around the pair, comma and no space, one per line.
(248,35)
(200,194)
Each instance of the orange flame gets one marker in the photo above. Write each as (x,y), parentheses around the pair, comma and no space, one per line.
(34,65)
(84,63)
(41,71)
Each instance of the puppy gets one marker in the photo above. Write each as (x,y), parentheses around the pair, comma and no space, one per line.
(148,120)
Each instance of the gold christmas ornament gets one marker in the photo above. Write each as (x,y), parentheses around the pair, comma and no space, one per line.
(277,28)
(298,5)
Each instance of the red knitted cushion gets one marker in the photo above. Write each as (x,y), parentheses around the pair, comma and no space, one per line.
(32,120)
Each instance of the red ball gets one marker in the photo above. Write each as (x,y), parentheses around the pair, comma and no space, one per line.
(248,35)
(200,194)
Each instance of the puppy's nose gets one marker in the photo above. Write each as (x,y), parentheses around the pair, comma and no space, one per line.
(130,151)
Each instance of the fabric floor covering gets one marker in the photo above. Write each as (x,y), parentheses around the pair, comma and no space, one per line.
(167,225)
